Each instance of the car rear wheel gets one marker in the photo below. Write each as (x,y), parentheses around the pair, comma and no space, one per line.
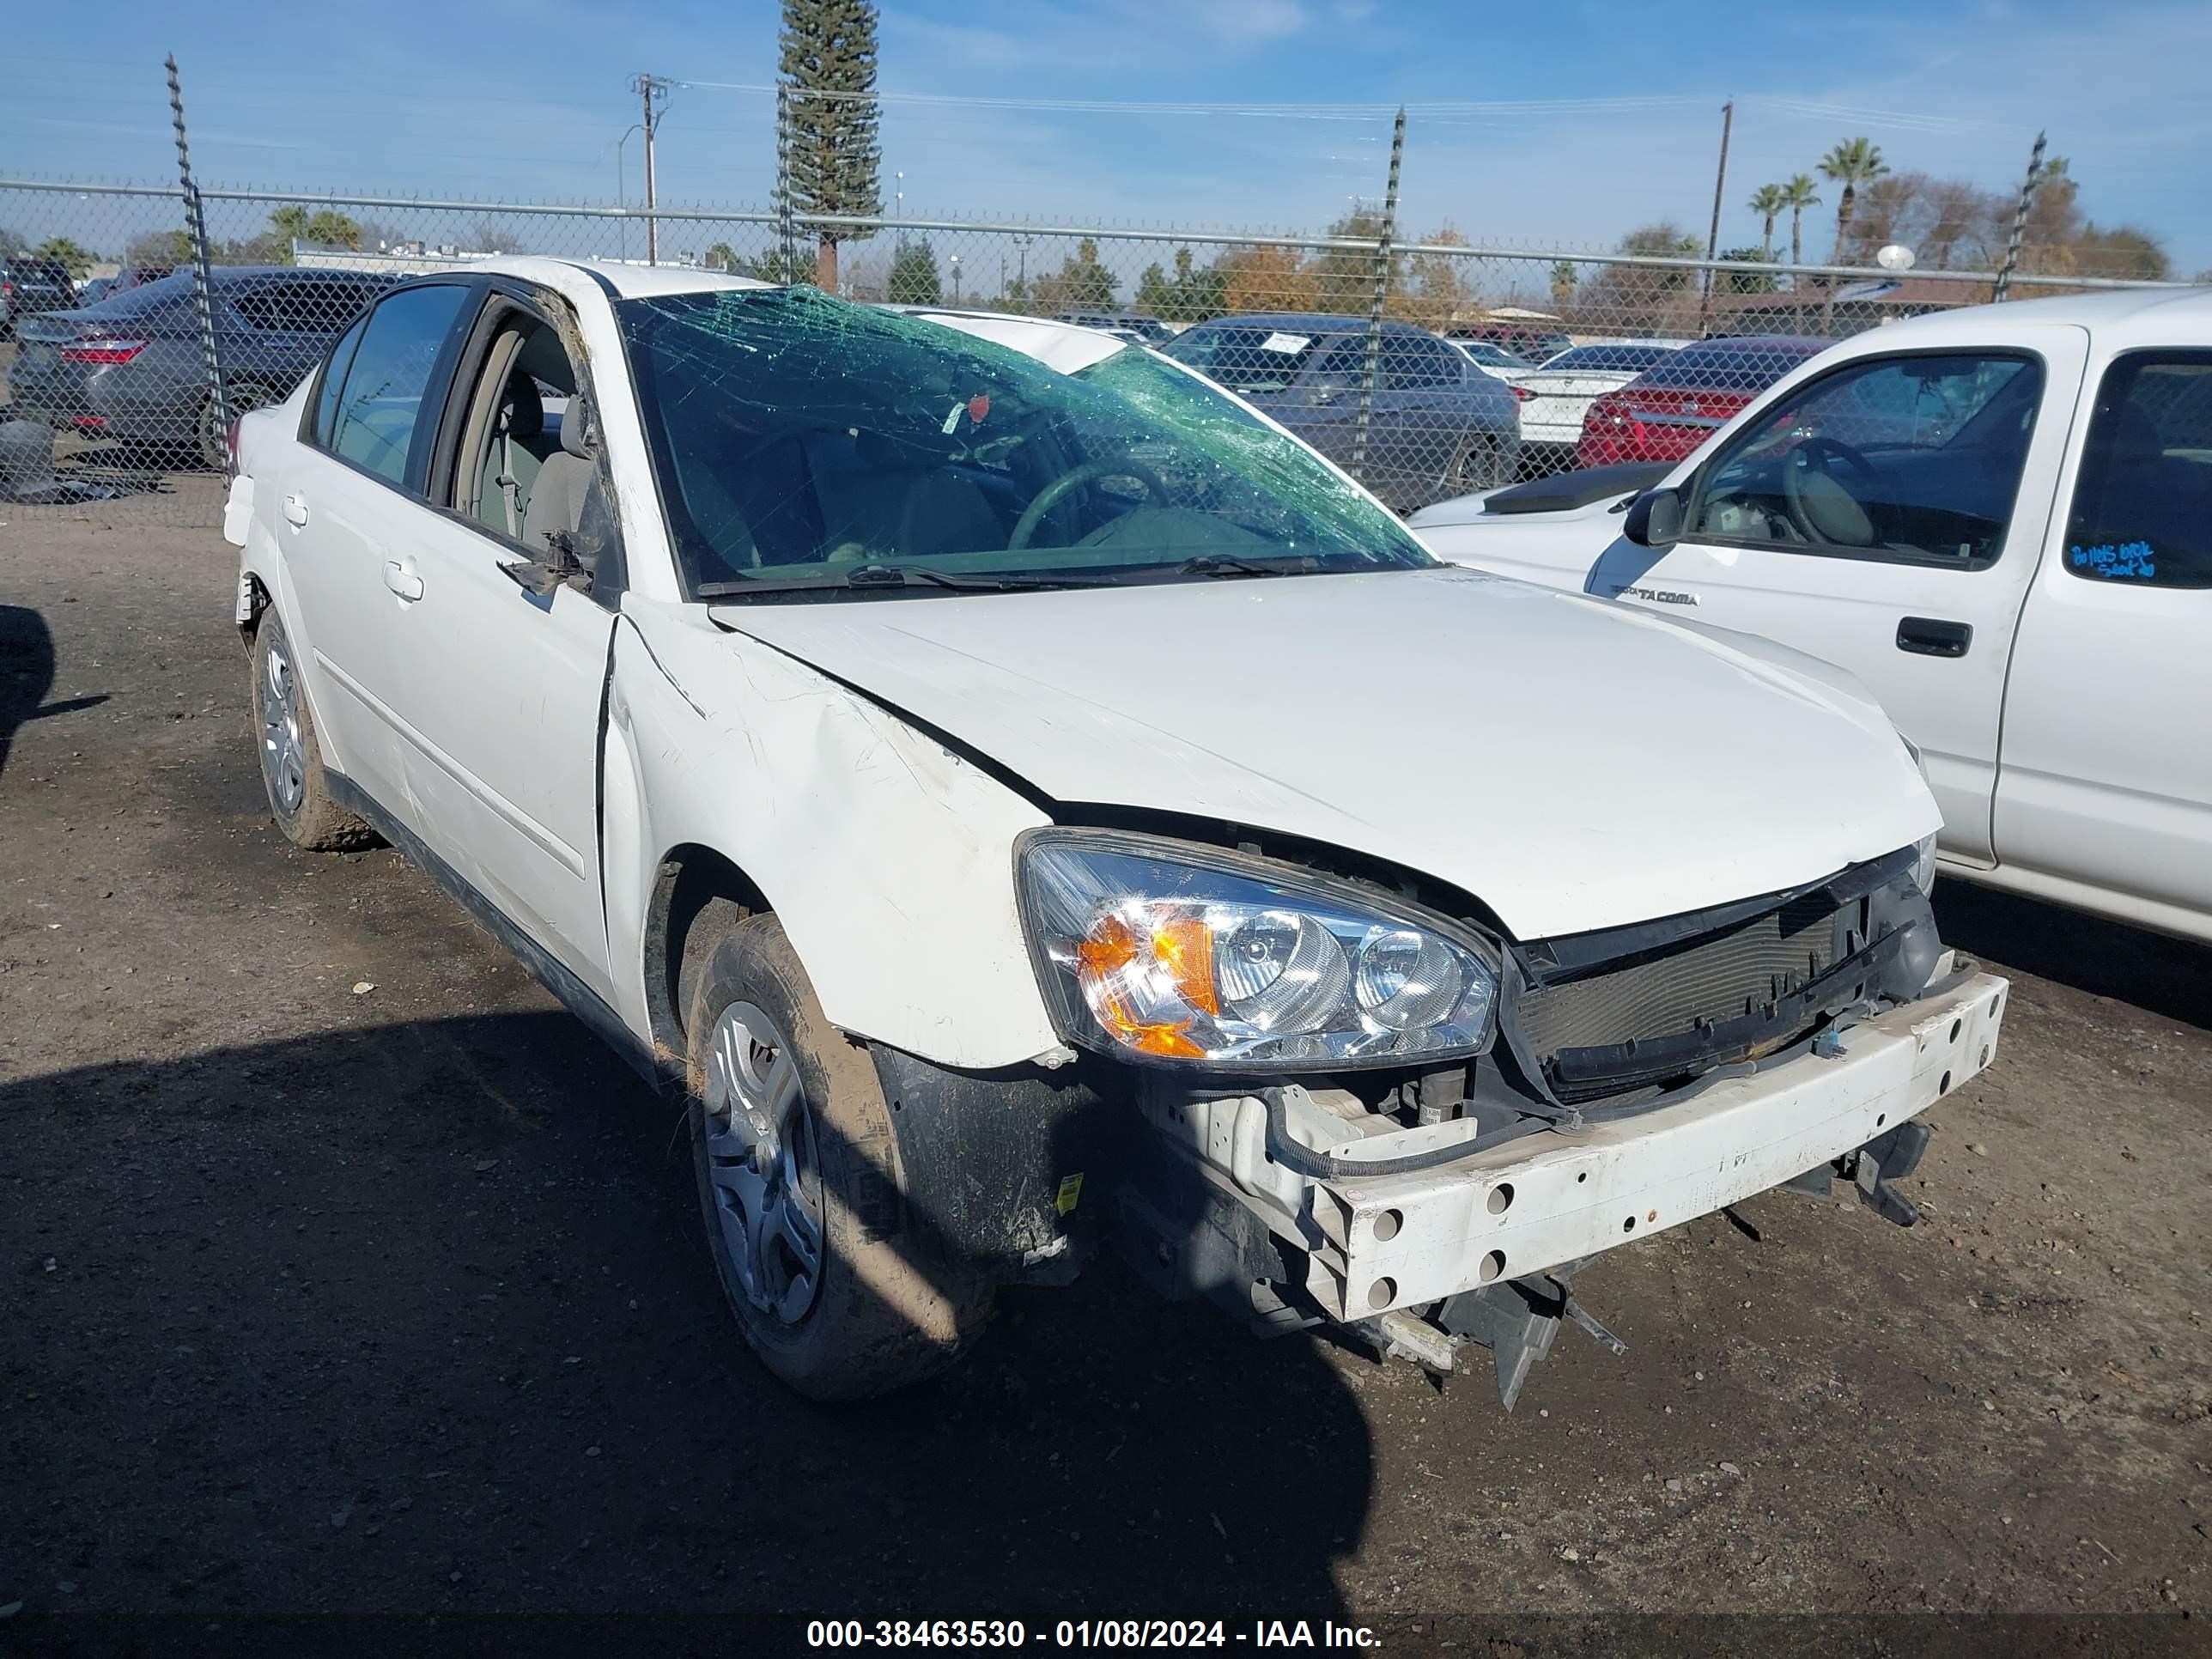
(824,1257)
(291,757)
(1479,464)
(213,436)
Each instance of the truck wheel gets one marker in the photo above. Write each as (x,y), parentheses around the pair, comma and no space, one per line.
(824,1258)
(291,759)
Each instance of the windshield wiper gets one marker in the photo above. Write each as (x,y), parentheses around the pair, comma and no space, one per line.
(866,577)
(1234,564)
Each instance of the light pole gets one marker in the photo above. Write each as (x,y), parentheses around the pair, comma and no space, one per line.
(622,189)
(898,208)
(1022,266)
(653,90)
(956,279)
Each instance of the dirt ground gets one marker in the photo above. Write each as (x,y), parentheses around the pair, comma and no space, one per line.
(322,1299)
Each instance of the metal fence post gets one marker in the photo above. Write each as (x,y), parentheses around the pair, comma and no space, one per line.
(1374,355)
(786,232)
(2003,284)
(196,227)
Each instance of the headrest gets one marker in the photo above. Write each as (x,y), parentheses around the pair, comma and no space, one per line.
(577,436)
(522,410)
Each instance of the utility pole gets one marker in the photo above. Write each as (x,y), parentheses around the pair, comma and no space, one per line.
(2019,222)
(652,93)
(1713,236)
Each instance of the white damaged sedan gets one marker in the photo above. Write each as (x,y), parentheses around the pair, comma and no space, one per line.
(1026,802)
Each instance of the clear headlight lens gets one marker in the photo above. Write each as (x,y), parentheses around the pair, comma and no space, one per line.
(1923,850)
(1923,864)
(1176,951)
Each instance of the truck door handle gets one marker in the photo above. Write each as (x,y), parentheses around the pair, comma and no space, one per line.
(295,511)
(1928,636)
(401,580)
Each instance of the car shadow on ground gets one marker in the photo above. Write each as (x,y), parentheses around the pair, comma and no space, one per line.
(27,674)
(530,1394)
(2168,976)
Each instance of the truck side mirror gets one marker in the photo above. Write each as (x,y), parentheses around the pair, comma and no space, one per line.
(1655,518)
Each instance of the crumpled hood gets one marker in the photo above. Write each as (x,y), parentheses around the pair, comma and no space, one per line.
(1572,763)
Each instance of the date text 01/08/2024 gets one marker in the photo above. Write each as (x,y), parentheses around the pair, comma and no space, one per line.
(1085,1633)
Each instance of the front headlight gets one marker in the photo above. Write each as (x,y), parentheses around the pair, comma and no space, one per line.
(1923,864)
(1176,951)
(1923,850)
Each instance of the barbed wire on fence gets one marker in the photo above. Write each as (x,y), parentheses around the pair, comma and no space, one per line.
(1473,389)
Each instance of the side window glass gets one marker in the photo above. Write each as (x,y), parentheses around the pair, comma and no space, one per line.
(388,382)
(1410,363)
(326,402)
(257,305)
(1916,458)
(2143,506)
(1402,366)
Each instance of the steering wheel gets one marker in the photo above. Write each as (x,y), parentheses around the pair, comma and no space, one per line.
(1821,506)
(1117,466)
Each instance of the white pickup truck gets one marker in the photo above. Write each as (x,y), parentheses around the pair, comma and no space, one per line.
(2000,521)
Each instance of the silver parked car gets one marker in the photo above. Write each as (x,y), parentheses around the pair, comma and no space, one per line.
(1439,426)
(133,368)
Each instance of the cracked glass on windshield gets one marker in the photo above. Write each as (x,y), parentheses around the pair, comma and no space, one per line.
(798,436)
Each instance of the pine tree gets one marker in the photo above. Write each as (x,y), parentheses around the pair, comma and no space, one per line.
(828,68)
(913,278)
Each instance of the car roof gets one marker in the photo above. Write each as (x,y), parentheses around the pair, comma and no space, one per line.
(1314,322)
(2120,317)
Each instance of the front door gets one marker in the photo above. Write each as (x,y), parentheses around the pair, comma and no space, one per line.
(1876,517)
(498,691)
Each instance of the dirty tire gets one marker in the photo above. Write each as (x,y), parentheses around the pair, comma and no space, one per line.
(291,756)
(887,1308)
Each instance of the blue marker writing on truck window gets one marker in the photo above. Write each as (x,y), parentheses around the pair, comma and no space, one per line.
(2112,562)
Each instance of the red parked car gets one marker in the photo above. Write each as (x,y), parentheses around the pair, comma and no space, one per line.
(1667,411)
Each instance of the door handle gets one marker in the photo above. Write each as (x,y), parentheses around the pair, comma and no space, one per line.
(1929,636)
(401,580)
(295,511)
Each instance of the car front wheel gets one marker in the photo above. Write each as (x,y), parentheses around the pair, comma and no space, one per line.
(830,1266)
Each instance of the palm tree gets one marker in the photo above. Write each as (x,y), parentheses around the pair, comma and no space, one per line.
(1851,163)
(1798,195)
(1767,202)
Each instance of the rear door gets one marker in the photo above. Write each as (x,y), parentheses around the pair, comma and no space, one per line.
(2107,777)
(339,520)
(1423,420)
(1885,516)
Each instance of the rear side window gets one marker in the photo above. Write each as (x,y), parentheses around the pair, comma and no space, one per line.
(2143,506)
(1410,362)
(326,400)
(386,393)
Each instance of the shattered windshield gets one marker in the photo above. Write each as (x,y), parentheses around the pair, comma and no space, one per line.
(795,436)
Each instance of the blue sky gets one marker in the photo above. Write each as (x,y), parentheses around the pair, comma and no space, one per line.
(1601,116)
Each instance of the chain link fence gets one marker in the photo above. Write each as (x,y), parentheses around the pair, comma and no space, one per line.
(1488,364)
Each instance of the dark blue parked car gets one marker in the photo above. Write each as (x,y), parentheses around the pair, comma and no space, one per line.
(1439,426)
(133,368)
